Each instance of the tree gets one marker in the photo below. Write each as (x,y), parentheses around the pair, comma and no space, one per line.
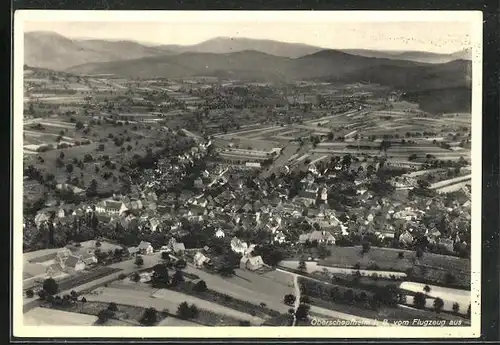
(185,311)
(401,255)
(323,251)
(61,155)
(427,289)
(104,315)
(83,300)
(468,312)
(92,188)
(149,317)
(449,278)
(365,247)
(136,277)
(74,295)
(113,307)
(456,307)
(438,305)
(289,299)
(178,277)
(302,265)
(78,125)
(50,286)
(160,277)
(305,299)
(302,312)
(419,300)
(200,286)
(30,293)
(139,261)
(349,296)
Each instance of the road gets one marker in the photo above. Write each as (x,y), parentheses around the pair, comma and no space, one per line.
(297,298)
(127,267)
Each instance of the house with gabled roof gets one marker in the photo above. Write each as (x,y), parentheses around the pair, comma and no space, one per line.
(74,263)
(145,248)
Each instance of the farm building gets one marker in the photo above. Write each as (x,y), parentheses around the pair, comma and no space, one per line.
(251,263)
(319,236)
(74,263)
(199,259)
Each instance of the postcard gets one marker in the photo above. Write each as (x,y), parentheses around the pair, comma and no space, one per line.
(309,174)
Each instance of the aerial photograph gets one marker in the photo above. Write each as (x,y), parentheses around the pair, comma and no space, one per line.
(213,174)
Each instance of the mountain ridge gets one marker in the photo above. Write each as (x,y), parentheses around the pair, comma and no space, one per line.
(55,51)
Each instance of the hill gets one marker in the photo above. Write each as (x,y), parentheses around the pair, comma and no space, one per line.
(56,52)
(416,56)
(329,65)
(224,45)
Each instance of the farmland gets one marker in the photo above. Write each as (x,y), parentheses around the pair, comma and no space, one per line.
(50,317)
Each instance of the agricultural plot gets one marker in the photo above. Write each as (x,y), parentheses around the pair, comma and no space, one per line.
(51,317)
(268,288)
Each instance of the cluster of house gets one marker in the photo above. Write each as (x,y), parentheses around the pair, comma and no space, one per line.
(248,260)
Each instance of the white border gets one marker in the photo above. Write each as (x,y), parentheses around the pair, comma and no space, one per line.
(473,17)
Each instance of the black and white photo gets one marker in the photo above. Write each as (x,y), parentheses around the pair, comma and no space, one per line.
(232,170)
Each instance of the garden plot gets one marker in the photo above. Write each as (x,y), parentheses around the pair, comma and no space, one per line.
(52,317)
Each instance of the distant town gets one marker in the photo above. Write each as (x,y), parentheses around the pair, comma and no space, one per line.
(226,201)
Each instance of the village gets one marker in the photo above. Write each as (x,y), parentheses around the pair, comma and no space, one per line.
(180,202)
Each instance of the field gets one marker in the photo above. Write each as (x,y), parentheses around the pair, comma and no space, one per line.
(51,317)
(268,288)
(167,301)
(387,258)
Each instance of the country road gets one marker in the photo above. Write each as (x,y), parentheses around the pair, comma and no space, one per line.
(297,298)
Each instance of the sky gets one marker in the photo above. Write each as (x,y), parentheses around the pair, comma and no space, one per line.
(432,36)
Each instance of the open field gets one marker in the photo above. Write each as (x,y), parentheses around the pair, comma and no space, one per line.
(268,288)
(387,258)
(51,317)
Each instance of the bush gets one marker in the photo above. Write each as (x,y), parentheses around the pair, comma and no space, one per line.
(112,306)
(122,276)
(401,255)
(456,307)
(289,299)
(357,266)
(244,323)
(30,293)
